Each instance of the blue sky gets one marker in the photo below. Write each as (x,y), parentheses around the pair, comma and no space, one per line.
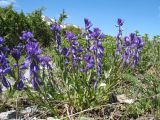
(142,15)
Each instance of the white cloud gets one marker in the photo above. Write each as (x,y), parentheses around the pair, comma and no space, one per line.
(5,3)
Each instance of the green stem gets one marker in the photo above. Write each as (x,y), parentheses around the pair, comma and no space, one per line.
(18,76)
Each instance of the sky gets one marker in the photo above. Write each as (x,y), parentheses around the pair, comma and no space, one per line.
(141,15)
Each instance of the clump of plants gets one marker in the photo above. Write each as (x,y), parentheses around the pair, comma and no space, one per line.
(80,73)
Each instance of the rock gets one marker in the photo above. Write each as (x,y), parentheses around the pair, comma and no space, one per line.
(51,118)
(123,99)
(8,115)
(29,110)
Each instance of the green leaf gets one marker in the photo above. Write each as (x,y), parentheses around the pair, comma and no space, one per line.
(89,75)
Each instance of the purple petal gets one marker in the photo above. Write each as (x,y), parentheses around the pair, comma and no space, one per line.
(5,82)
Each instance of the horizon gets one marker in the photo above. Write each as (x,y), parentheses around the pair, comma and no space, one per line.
(138,15)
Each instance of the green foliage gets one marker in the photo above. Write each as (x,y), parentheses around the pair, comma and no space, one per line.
(13,23)
(39,28)
(62,17)
(73,29)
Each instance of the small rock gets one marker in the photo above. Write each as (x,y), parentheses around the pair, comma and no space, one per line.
(123,99)
(29,110)
(8,115)
(51,118)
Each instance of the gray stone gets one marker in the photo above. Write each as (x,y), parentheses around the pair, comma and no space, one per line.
(123,99)
(29,110)
(8,115)
(51,118)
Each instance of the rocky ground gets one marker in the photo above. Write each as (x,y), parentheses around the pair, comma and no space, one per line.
(111,111)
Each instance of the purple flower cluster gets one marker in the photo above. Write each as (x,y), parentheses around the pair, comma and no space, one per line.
(88,25)
(4,69)
(73,47)
(56,29)
(45,62)
(94,55)
(4,65)
(33,59)
(16,54)
(89,62)
(27,36)
(119,35)
(131,47)
(97,48)
(3,48)
(74,50)
(1,40)
(65,52)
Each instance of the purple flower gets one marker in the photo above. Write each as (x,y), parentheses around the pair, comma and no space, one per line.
(56,30)
(120,22)
(97,48)
(140,43)
(45,61)
(1,40)
(55,27)
(65,52)
(127,41)
(96,34)
(80,49)
(127,55)
(88,24)
(82,70)
(33,48)
(33,60)
(70,36)
(135,59)
(20,84)
(73,46)
(20,47)
(132,37)
(35,82)
(16,54)
(3,48)
(89,62)
(132,46)
(138,47)
(34,68)
(4,69)
(5,82)
(119,35)
(25,63)
(26,35)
